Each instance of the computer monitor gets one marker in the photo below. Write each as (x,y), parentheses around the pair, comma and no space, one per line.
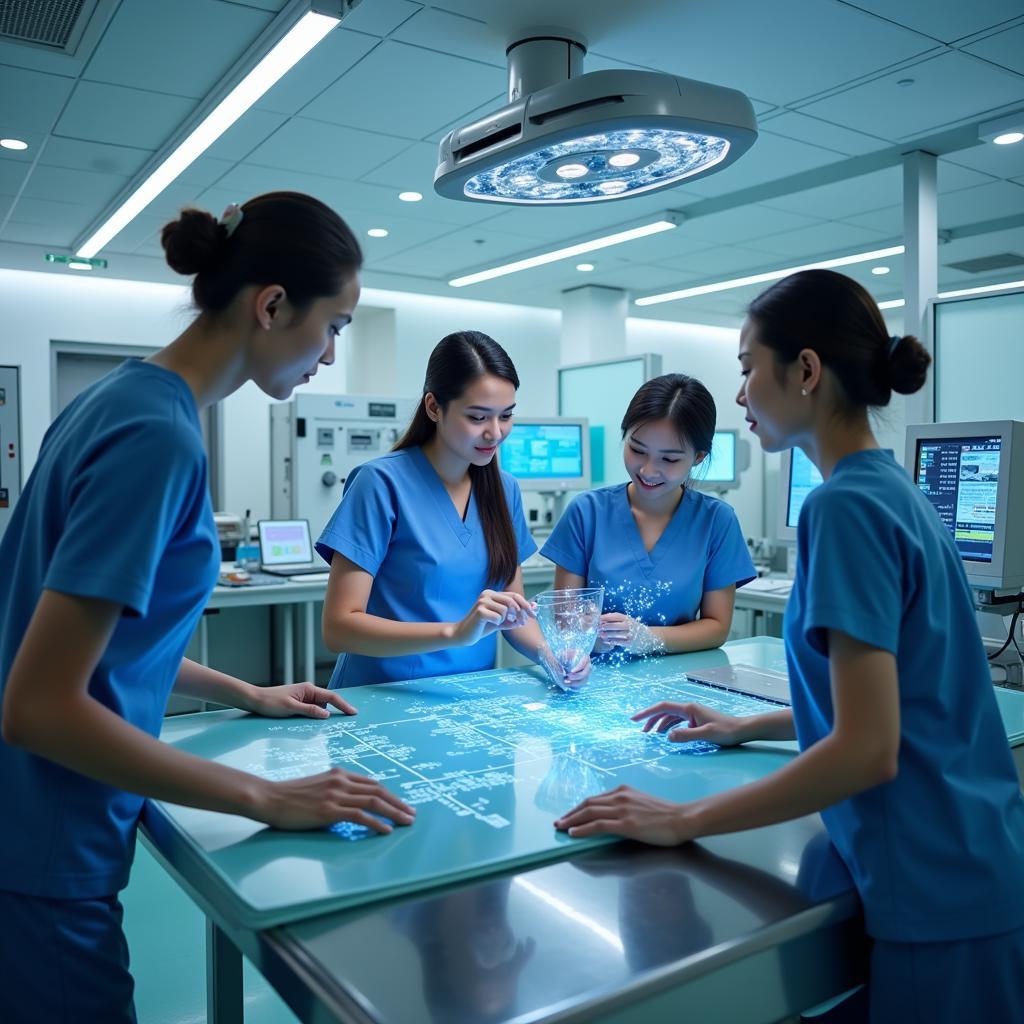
(973,474)
(548,454)
(798,476)
(284,541)
(723,465)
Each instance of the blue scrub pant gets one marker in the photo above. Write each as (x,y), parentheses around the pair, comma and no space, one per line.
(63,961)
(949,982)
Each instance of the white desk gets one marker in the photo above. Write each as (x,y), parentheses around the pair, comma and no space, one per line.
(288,600)
(758,604)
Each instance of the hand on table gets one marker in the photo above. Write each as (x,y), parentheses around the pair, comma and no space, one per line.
(325,799)
(703,723)
(627,812)
(305,699)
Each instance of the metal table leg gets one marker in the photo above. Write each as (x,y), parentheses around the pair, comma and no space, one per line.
(224,999)
(309,642)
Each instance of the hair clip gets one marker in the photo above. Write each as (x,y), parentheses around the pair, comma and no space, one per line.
(231,218)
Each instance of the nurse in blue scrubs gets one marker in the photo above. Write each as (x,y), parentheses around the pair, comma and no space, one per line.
(426,546)
(669,557)
(107,563)
(902,746)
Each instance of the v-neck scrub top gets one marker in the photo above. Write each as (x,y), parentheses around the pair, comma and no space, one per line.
(397,522)
(702,549)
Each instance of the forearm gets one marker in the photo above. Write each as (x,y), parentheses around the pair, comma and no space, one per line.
(377,637)
(827,773)
(699,635)
(203,683)
(90,739)
(527,639)
(775,725)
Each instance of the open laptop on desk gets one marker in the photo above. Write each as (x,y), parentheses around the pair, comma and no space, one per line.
(763,683)
(286,548)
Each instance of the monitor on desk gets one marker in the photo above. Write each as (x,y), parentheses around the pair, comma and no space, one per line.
(722,468)
(798,476)
(548,454)
(973,475)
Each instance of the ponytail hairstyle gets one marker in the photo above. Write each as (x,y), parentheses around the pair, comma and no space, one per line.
(837,318)
(284,238)
(682,400)
(456,362)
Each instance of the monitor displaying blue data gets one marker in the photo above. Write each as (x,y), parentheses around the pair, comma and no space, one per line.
(803,478)
(960,477)
(722,468)
(548,454)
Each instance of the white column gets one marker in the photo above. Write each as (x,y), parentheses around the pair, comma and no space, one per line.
(920,265)
(370,352)
(593,324)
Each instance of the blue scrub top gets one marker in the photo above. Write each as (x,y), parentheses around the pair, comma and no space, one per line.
(397,522)
(937,854)
(702,549)
(117,507)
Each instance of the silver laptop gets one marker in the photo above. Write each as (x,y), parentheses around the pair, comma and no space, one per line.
(763,683)
(286,548)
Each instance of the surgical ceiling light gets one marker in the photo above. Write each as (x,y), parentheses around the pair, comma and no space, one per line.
(654,228)
(303,27)
(770,275)
(567,137)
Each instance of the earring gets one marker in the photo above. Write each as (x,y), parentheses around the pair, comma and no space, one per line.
(803,391)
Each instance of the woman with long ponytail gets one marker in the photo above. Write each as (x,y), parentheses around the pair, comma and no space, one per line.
(426,546)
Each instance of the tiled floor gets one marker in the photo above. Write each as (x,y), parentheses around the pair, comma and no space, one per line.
(167,939)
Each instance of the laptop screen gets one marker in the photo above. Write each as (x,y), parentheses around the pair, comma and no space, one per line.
(284,541)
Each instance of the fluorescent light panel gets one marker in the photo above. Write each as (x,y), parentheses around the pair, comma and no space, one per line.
(959,293)
(306,33)
(563,254)
(770,275)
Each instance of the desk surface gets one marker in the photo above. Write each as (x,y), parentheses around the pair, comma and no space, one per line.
(489,760)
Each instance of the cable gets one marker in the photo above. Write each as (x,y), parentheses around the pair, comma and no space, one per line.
(1010,637)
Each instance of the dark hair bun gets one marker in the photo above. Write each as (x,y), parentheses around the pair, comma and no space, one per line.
(194,242)
(908,366)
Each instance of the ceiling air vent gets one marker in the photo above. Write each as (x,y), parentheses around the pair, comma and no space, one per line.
(53,24)
(985,264)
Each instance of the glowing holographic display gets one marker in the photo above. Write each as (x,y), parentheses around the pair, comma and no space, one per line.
(662,156)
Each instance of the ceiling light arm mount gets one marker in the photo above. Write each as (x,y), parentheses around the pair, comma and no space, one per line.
(541,56)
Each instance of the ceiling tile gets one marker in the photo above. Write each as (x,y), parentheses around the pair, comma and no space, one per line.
(380,17)
(947,89)
(123,117)
(67,217)
(12,174)
(432,90)
(745,223)
(842,199)
(456,34)
(986,202)
(822,239)
(888,221)
(999,161)
(134,234)
(794,125)
(466,249)
(204,171)
(723,261)
(93,156)
(263,5)
(59,235)
(316,146)
(87,187)
(246,134)
(145,42)
(31,101)
(944,21)
(1003,48)
(320,68)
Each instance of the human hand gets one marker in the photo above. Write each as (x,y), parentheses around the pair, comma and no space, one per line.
(305,699)
(571,678)
(327,798)
(493,610)
(627,812)
(619,630)
(703,723)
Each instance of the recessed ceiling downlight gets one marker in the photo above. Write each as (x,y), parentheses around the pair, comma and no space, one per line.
(566,137)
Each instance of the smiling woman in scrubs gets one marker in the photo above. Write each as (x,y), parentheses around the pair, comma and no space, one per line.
(426,545)
(902,746)
(669,557)
(107,563)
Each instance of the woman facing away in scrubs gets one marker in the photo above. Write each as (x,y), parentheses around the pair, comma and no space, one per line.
(107,563)
(902,746)
(426,546)
(669,557)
